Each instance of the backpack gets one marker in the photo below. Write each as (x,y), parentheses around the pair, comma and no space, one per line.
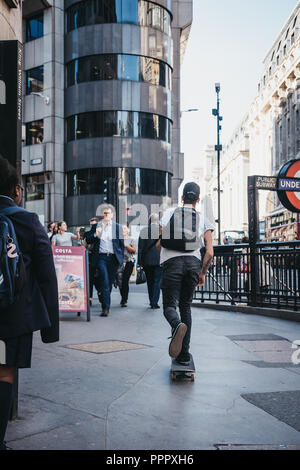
(182,232)
(12,269)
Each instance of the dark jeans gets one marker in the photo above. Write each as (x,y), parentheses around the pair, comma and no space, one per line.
(124,289)
(94,281)
(180,278)
(107,270)
(153,276)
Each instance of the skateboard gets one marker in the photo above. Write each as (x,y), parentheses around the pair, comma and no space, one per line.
(179,371)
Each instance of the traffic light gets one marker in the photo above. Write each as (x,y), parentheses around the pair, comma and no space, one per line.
(105,190)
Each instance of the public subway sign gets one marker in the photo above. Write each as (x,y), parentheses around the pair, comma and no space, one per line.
(286,184)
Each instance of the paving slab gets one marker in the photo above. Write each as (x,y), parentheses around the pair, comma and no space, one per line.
(75,399)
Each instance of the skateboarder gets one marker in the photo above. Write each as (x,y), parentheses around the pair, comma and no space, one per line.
(182,267)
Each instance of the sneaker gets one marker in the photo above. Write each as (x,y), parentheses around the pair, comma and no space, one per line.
(177,337)
(123,304)
(155,306)
(184,360)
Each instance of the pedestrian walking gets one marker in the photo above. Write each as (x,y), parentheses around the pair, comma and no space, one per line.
(107,254)
(183,232)
(63,237)
(127,266)
(149,259)
(35,305)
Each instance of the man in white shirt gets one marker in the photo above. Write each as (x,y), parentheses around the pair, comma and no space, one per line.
(108,251)
(182,267)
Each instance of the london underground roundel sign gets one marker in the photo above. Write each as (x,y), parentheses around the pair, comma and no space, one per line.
(289,199)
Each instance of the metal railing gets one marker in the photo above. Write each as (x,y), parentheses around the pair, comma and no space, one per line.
(266,275)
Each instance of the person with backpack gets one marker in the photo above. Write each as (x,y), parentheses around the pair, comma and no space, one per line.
(149,259)
(28,287)
(183,233)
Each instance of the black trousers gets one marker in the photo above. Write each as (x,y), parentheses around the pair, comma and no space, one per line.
(153,276)
(180,278)
(124,289)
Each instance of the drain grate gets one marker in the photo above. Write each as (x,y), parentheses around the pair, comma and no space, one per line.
(109,346)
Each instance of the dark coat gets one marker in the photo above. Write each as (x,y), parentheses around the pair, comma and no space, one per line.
(118,244)
(37,307)
(148,254)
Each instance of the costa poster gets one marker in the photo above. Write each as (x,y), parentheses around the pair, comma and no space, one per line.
(70,266)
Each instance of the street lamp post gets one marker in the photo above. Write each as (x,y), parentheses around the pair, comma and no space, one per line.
(218,148)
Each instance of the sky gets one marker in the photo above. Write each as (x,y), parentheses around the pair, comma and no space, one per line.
(228,42)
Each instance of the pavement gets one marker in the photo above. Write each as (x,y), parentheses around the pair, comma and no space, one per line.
(106,384)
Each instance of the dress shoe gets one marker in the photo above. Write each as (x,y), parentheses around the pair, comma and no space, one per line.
(105,312)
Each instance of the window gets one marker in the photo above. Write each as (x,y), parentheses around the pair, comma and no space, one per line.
(284,50)
(34,132)
(118,124)
(293,38)
(295,21)
(119,67)
(35,187)
(34,27)
(118,180)
(35,80)
(277,60)
(141,12)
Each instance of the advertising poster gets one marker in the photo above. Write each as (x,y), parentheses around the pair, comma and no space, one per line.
(70,266)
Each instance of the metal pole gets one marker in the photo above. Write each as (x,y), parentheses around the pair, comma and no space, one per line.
(218,147)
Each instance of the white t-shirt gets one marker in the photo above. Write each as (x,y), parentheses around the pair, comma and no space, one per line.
(204,226)
(63,240)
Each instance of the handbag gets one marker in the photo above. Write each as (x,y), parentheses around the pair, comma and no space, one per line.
(140,275)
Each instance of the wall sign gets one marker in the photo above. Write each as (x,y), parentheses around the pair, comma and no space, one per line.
(289,185)
(11,101)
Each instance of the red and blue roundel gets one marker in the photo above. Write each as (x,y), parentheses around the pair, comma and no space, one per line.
(290,199)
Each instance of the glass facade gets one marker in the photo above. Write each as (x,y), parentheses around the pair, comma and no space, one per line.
(119,67)
(35,27)
(118,124)
(141,12)
(35,187)
(34,132)
(35,80)
(122,180)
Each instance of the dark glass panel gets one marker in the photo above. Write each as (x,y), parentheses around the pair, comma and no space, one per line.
(146,126)
(34,132)
(71,72)
(118,11)
(34,27)
(123,180)
(110,123)
(71,128)
(35,80)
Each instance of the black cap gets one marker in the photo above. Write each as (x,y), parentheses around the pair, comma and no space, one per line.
(191,192)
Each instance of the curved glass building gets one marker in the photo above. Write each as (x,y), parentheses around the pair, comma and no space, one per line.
(117,131)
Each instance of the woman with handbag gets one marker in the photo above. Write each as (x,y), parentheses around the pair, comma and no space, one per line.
(125,272)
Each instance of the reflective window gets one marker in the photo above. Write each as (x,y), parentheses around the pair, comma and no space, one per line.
(121,180)
(34,132)
(141,12)
(35,80)
(118,123)
(34,27)
(119,67)
(35,187)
